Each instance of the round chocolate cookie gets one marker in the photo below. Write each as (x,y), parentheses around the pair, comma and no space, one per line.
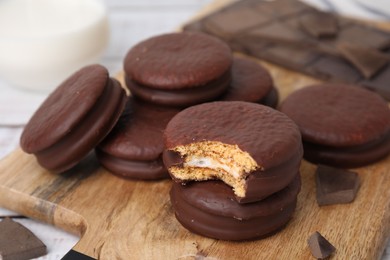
(341,125)
(178,69)
(134,147)
(209,209)
(251,82)
(252,148)
(74,118)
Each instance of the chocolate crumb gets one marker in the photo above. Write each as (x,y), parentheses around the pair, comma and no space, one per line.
(319,247)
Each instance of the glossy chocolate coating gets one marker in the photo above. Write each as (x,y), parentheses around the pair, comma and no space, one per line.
(84,129)
(348,157)
(341,125)
(208,208)
(134,147)
(132,169)
(270,137)
(251,82)
(64,108)
(178,61)
(271,99)
(181,97)
(338,115)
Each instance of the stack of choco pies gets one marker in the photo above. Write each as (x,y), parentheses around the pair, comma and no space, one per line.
(166,74)
(235,162)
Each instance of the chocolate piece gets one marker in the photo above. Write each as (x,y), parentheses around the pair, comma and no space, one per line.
(335,186)
(282,8)
(319,24)
(334,69)
(251,147)
(379,83)
(291,37)
(172,68)
(365,36)
(133,149)
(251,83)
(278,32)
(18,243)
(319,247)
(336,128)
(209,209)
(225,22)
(367,61)
(74,118)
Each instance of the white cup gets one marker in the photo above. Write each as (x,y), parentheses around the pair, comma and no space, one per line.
(42,42)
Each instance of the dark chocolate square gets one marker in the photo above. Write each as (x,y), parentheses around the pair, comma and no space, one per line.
(364,36)
(293,58)
(380,83)
(282,8)
(334,69)
(278,32)
(230,22)
(335,186)
(319,24)
(367,60)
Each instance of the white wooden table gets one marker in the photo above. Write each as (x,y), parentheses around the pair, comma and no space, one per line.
(130,22)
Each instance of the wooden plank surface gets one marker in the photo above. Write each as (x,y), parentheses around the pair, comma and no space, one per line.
(119,219)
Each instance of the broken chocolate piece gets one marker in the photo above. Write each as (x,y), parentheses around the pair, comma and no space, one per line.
(281,31)
(18,243)
(225,23)
(380,83)
(319,247)
(334,69)
(368,61)
(319,24)
(335,186)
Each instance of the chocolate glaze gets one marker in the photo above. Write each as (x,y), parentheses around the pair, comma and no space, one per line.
(338,115)
(259,184)
(270,137)
(208,209)
(348,157)
(133,148)
(132,169)
(180,97)
(271,99)
(64,108)
(74,146)
(251,82)
(178,61)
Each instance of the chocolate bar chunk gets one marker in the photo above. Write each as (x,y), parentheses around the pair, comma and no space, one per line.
(380,83)
(335,186)
(319,24)
(319,247)
(270,29)
(18,243)
(368,61)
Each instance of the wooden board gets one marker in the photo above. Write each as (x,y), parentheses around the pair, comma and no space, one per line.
(119,219)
